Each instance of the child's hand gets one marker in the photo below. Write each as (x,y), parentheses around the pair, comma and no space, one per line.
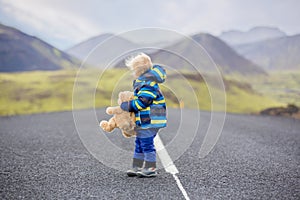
(125,106)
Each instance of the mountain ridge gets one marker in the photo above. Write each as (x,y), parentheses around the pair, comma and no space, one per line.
(74,50)
(95,55)
(274,54)
(223,55)
(255,34)
(22,52)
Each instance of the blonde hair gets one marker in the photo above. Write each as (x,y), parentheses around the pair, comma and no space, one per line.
(139,63)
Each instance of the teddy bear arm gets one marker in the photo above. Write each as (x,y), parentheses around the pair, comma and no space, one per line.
(114,110)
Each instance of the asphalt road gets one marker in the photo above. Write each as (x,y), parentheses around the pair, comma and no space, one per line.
(256,157)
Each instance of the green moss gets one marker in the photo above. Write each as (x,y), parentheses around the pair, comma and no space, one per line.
(36,92)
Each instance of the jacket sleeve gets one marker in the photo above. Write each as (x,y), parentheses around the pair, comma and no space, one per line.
(144,99)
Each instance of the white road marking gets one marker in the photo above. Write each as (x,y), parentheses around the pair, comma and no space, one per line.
(181,187)
(168,163)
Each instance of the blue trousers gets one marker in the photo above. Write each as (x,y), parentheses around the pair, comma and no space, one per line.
(144,144)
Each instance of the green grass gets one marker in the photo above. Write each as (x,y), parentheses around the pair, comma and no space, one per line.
(283,87)
(36,92)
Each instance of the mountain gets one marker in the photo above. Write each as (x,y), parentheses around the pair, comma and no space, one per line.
(253,35)
(81,50)
(100,50)
(274,54)
(22,52)
(223,56)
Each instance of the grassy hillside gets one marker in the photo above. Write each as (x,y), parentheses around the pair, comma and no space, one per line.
(284,87)
(44,91)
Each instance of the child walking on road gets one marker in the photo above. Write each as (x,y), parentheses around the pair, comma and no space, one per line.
(150,111)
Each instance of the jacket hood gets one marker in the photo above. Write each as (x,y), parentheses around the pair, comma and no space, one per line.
(156,74)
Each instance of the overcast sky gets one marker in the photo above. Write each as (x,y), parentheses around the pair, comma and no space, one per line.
(63,23)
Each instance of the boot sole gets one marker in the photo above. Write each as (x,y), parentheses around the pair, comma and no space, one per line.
(142,175)
(131,174)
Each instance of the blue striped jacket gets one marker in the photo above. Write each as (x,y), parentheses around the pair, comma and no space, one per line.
(149,103)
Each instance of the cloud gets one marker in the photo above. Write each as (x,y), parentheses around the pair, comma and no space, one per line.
(50,19)
(215,16)
(68,22)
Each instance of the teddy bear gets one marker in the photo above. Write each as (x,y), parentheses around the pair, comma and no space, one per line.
(121,119)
